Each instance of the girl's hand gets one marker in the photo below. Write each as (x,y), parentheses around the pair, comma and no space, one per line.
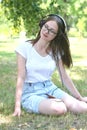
(17,112)
(84,99)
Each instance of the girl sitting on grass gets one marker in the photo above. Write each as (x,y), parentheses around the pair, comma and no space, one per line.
(36,60)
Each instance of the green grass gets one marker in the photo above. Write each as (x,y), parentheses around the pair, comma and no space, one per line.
(33,121)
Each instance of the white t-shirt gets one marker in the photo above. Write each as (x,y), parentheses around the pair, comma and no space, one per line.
(38,68)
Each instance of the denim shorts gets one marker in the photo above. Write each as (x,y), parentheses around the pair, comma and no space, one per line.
(34,93)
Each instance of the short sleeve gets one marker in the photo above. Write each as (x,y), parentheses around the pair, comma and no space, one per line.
(23,48)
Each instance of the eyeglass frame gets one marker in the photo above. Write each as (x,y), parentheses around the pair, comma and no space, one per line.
(50,31)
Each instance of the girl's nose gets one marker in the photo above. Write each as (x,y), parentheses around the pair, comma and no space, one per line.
(47,31)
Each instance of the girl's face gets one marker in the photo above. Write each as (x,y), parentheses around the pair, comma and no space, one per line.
(49,31)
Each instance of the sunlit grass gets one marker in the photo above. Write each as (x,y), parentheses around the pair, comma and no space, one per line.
(4,119)
(8,72)
(79,50)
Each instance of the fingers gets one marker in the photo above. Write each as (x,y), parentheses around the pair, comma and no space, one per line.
(17,114)
(84,99)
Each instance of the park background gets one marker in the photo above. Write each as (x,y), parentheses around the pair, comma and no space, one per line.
(19,21)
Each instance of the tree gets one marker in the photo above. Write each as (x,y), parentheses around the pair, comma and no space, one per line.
(29,12)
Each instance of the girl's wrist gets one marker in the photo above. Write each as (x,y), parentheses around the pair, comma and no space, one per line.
(17,104)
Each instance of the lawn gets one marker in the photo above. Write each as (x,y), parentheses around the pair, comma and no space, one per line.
(28,121)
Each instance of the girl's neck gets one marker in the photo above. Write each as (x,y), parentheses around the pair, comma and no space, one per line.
(41,47)
(42,44)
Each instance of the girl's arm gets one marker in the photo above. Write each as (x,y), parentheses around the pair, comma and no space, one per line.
(67,81)
(20,81)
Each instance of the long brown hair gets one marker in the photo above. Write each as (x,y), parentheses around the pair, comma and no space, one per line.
(60,44)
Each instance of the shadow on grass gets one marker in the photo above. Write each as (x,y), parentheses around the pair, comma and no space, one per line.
(8,81)
(78,76)
(4,54)
(32,121)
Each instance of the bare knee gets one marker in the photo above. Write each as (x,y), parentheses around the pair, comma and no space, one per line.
(59,108)
(75,105)
(52,107)
(71,104)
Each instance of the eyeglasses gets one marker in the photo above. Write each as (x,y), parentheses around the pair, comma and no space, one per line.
(50,31)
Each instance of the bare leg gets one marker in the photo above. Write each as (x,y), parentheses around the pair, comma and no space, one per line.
(52,107)
(75,105)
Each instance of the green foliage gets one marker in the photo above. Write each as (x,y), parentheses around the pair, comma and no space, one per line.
(22,12)
(27,13)
(3,21)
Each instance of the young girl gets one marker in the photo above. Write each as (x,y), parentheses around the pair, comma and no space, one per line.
(36,60)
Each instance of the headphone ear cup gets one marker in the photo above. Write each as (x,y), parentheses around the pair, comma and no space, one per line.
(42,22)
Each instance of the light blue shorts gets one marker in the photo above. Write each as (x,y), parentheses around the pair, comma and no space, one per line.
(34,93)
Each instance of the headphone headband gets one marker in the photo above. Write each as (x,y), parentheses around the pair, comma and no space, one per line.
(42,22)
